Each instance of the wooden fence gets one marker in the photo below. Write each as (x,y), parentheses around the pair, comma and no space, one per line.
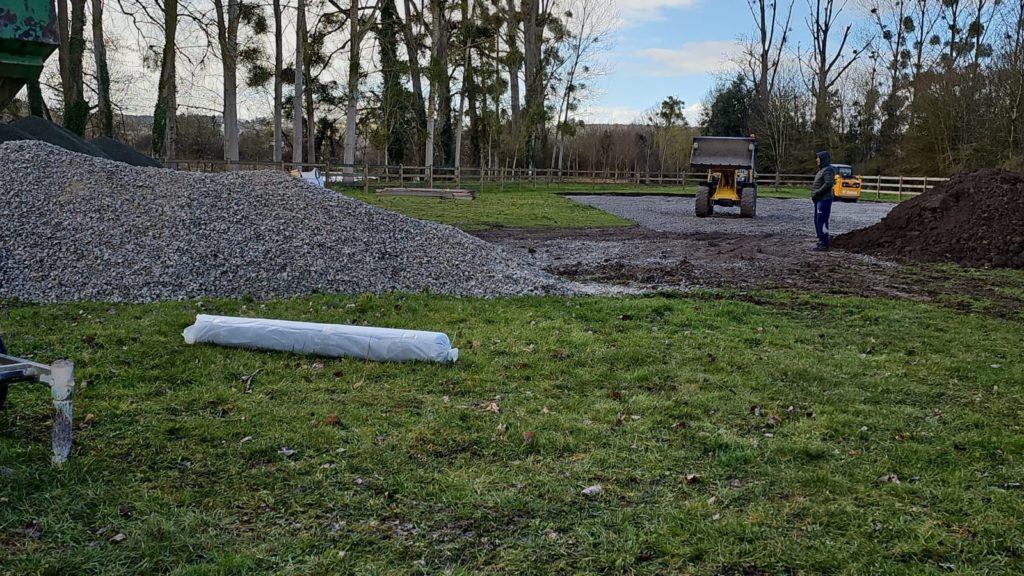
(374,175)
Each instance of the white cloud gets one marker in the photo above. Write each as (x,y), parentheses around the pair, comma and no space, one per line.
(634,11)
(610,115)
(705,57)
(693,112)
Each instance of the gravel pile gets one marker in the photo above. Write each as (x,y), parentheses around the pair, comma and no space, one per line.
(124,153)
(974,219)
(74,227)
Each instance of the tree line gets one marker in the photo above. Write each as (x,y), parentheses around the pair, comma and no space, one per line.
(892,86)
(927,87)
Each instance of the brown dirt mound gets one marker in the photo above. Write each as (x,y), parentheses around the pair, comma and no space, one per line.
(974,219)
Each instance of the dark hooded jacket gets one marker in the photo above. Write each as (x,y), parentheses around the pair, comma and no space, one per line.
(825,179)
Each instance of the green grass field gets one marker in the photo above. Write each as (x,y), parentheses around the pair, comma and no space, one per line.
(730,433)
(728,436)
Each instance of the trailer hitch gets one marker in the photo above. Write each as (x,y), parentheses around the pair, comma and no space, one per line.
(59,377)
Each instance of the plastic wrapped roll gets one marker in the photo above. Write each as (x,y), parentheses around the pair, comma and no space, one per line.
(336,340)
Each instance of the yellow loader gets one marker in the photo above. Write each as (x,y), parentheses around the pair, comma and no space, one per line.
(731,167)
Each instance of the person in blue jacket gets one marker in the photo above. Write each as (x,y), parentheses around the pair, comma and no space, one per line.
(821,194)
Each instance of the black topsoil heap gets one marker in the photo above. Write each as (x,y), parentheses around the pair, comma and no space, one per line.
(35,128)
(9,133)
(123,153)
(40,129)
(974,219)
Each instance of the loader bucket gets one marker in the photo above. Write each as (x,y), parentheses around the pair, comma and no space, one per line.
(711,152)
(28,35)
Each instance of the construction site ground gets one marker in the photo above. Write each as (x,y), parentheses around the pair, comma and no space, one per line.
(671,249)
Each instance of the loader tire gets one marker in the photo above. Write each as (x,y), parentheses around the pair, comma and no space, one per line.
(748,203)
(703,207)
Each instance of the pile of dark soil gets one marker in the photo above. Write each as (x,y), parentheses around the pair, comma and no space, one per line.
(974,219)
(40,129)
(10,133)
(124,153)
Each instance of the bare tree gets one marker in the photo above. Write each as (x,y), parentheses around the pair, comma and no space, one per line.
(826,66)
(228,18)
(591,24)
(764,53)
(358,28)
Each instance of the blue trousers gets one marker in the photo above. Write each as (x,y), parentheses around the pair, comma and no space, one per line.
(822,212)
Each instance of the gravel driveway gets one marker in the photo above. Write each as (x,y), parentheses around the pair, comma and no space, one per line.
(672,248)
(774,216)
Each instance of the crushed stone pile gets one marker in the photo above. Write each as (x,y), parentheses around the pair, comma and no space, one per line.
(42,129)
(82,228)
(123,153)
(974,219)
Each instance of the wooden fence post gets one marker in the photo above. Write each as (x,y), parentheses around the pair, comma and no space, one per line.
(366,178)
(899,192)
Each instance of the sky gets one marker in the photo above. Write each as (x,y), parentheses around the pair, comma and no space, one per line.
(659,48)
(666,48)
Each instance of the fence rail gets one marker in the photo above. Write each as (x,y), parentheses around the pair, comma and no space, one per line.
(378,175)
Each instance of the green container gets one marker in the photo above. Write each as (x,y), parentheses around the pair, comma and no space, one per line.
(28,35)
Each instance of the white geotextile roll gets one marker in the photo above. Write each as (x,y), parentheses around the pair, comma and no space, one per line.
(378,344)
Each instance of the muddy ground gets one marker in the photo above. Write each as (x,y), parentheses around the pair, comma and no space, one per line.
(672,249)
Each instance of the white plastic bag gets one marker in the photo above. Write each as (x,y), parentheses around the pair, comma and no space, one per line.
(378,344)
(314,177)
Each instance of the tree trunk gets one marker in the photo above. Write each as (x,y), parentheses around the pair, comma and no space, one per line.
(435,12)
(169,84)
(534,80)
(36,104)
(444,87)
(352,106)
(227,35)
(278,89)
(297,100)
(394,103)
(102,73)
(514,63)
(412,46)
(63,50)
(310,115)
(470,91)
(76,109)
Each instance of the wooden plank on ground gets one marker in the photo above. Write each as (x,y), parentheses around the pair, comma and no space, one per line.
(457,194)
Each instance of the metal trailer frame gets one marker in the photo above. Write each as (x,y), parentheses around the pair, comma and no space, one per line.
(59,377)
